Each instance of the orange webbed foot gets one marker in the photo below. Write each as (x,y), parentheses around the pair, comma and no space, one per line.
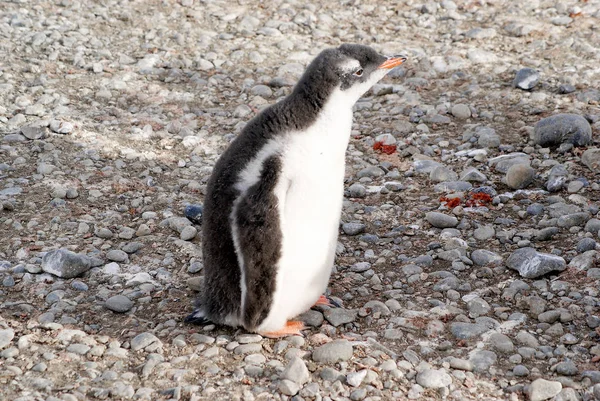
(291,328)
(324,301)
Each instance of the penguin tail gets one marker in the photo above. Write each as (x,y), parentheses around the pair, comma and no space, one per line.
(197,317)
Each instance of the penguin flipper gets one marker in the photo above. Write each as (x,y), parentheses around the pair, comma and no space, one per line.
(256,225)
(197,317)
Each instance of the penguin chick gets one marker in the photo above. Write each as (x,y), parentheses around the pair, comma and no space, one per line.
(274,199)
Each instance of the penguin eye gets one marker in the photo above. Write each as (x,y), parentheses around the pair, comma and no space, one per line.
(359,72)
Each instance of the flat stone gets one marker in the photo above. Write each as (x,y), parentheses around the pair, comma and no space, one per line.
(65,264)
(561,128)
(296,371)
(288,387)
(117,255)
(483,257)
(119,303)
(526,79)
(541,389)
(353,228)
(441,220)
(504,162)
(464,331)
(442,174)
(531,264)
(434,378)
(144,340)
(335,351)
(339,316)
(6,336)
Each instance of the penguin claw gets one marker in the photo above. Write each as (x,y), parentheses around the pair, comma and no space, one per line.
(327,301)
(197,318)
(291,328)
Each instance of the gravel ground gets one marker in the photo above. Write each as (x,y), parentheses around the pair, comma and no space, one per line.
(467,264)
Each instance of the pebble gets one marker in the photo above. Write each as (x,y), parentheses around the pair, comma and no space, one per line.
(296,371)
(353,228)
(117,255)
(520,176)
(288,387)
(461,111)
(463,331)
(591,158)
(567,368)
(501,343)
(434,378)
(561,128)
(339,316)
(6,336)
(441,220)
(335,351)
(65,264)
(542,389)
(119,303)
(531,264)
(483,257)
(526,79)
(146,341)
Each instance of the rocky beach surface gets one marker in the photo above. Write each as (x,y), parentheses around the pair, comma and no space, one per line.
(468,263)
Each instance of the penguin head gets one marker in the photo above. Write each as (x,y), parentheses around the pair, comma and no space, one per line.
(351,70)
(360,67)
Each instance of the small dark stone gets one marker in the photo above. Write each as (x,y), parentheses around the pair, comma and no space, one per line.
(564,89)
(526,78)
(194,213)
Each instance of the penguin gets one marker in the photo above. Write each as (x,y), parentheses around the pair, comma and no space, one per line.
(274,199)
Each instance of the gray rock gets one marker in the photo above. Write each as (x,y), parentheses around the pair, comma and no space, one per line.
(119,303)
(573,219)
(117,255)
(357,191)
(504,162)
(461,111)
(296,371)
(586,244)
(353,228)
(188,233)
(526,79)
(541,389)
(31,132)
(425,166)
(65,264)
(288,387)
(478,307)
(520,371)
(557,178)
(6,336)
(441,220)
(355,379)
(592,226)
(335,351)
(143,340)
(372,171)
(471,174)
(482,360)
(483,233)
(561,128)
(531,264)
(61,127)
(488,138)
(527,339)
(339,316)
(261,90)
(378,307)
(519,176)
(591,159)
(434,378)
(464,331)
(442,174)
(550,316)
(501,343)
(567,368)
(483,257)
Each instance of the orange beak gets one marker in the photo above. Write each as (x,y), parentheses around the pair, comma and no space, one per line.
(392,62)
